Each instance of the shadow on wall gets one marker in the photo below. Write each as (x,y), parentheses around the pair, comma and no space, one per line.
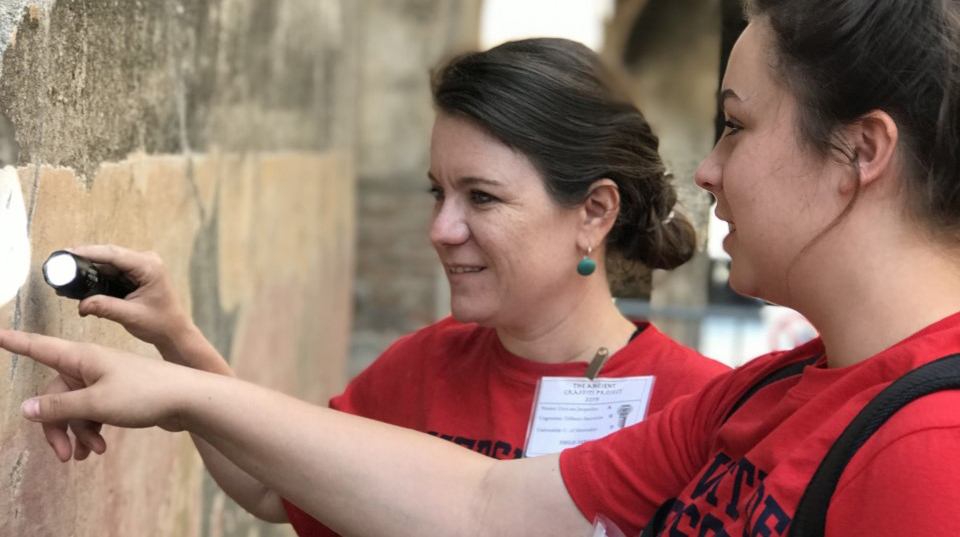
(205,272)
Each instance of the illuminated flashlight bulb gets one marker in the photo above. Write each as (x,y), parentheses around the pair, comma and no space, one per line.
(60,269)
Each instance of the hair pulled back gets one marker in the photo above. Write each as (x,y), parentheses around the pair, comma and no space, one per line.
(845,58)
(553,100)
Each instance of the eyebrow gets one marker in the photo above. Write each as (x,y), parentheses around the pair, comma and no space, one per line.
(728,94)
(469,180)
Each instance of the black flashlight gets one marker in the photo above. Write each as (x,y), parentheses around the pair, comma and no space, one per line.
(77,277)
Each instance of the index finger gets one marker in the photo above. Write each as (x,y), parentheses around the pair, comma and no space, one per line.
(52,352)
(122,258)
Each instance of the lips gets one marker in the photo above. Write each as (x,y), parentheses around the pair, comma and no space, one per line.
(464,269)
(730,225)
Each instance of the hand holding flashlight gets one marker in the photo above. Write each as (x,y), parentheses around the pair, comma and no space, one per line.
(74,276)
(140,297)
(152,312)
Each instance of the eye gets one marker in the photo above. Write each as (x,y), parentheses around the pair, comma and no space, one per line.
(436,192)
(731,128)
(480,197)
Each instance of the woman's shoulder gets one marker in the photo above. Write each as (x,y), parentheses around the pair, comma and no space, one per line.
(756,370)
(732,386)
(936,415)
(658,354)
(907,469)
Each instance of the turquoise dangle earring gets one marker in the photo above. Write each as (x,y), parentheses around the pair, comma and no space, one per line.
(586,266)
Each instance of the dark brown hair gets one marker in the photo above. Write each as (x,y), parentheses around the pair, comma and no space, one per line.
(845,58)
(554,101)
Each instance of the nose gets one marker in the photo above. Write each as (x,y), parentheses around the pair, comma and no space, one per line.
(449,226)
(710,173)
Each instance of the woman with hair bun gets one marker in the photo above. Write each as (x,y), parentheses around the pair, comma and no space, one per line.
(540,165)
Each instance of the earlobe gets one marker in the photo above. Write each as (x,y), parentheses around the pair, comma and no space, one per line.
(874,144)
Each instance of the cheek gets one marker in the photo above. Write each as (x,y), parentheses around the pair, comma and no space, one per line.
(531,251)
(501,240)
(758,190)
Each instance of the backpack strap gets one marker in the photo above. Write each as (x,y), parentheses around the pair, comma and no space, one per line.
(659,521)
(810,518)
(788,370)
(656,524)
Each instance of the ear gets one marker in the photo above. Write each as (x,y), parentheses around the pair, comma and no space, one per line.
(599,212)
(874,141)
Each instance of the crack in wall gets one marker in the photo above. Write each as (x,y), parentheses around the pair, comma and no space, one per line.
(16,473)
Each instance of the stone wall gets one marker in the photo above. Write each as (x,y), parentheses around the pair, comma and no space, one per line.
(400,286)
(221,134)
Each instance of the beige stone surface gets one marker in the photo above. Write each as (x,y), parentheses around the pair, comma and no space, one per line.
(400,286)
(260,247)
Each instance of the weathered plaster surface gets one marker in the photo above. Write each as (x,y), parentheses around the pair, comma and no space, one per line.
(220,134)
(89,81)
(283,270)
(11,12)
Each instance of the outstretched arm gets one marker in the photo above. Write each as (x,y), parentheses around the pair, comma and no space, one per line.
(358,476)
(363,477)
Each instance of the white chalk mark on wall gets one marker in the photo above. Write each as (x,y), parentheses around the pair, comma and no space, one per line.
(14,242)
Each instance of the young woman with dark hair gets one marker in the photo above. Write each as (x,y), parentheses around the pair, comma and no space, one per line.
(838,178)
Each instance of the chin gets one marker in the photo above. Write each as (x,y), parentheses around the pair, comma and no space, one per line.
(471,313)
(753,290)
(743,286)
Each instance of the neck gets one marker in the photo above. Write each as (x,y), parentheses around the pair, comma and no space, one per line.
(581,326)
(871,298)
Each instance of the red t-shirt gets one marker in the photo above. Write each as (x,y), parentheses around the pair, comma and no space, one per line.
(458,382)
(745,476)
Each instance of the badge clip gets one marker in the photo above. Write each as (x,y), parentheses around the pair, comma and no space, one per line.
(593,370)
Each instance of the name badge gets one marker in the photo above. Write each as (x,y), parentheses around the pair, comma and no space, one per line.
(568,411)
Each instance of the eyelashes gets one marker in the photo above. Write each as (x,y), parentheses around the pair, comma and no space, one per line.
(731,128)
(480,197)
(477,197)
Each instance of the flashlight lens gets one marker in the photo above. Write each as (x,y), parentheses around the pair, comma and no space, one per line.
(60,269)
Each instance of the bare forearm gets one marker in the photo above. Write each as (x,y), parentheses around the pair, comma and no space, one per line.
(255,497)
(362,477)
(187,346)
